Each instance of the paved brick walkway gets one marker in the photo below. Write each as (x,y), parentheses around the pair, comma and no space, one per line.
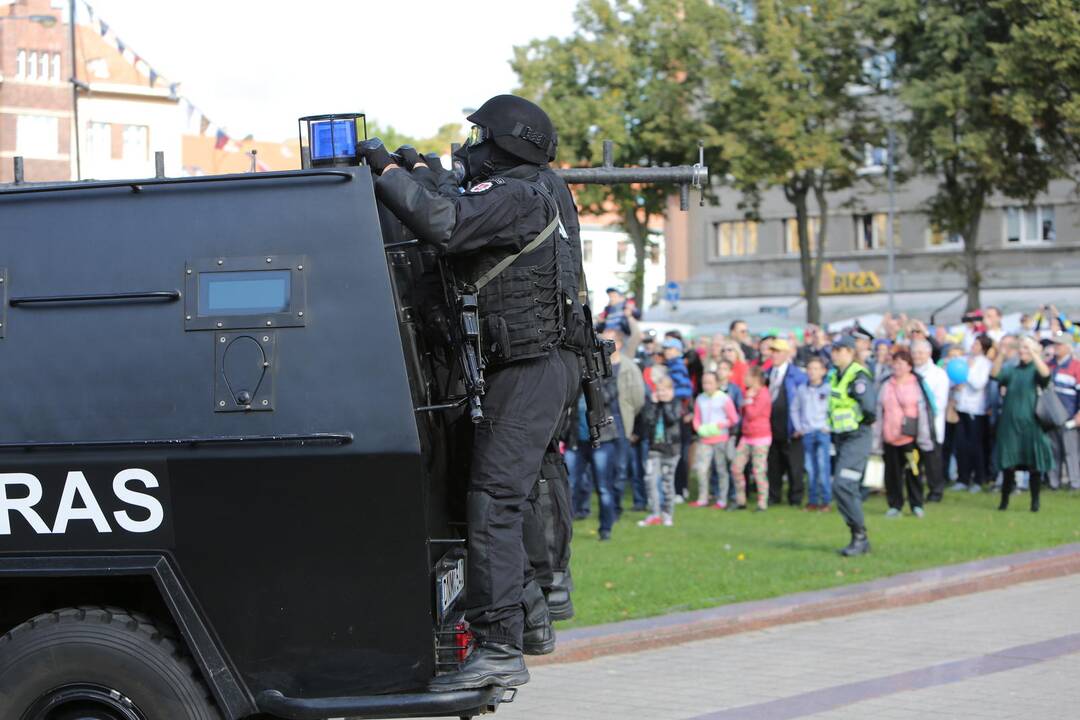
(1008,653)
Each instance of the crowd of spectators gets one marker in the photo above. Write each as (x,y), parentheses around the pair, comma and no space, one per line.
(711,414)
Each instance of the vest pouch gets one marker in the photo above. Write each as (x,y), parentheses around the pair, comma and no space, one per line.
(496,339)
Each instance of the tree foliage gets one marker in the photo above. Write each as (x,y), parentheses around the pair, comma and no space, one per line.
(975,120)
(784,93)
(632,72)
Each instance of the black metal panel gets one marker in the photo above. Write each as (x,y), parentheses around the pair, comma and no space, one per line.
(232,382)
(308,561)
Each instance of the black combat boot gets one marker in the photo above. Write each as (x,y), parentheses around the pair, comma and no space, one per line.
(560,605)
(1008,482)
(539,635)
(1034,485)
(489,664)
(859,545)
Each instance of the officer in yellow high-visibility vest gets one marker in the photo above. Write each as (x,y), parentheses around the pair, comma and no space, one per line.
(852,404)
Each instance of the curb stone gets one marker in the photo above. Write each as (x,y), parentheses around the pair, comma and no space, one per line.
(911,588)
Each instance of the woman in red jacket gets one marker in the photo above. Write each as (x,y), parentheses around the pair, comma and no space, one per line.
(756,439)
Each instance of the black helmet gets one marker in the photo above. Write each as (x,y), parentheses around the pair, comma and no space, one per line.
(519,127)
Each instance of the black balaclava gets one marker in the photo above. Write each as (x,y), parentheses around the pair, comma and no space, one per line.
(485,159)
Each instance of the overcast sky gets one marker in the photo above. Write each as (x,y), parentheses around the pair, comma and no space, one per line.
(254,66)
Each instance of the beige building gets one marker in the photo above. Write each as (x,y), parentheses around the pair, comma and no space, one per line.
(126,111)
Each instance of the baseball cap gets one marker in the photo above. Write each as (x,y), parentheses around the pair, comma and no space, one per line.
(844,341)
(780,344)
(673,343)
(1062,338)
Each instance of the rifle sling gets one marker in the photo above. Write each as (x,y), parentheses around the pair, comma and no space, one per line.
(507,261)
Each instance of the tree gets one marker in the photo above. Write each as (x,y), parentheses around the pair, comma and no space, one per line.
(632,73)
(1039,69)
(437,143)
(785,93)
(973,121)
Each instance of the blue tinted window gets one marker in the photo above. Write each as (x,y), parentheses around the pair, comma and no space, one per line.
(333,138)
(244,293)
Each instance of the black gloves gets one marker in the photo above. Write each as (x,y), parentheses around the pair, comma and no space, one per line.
(409,156)
(376,155)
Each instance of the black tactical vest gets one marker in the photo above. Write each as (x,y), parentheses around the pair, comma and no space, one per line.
(521,313)
(578,335)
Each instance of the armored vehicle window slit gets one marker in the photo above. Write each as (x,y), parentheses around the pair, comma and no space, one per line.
(245,293)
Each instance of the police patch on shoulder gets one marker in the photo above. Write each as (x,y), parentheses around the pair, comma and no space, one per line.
(860,387)
(480,188)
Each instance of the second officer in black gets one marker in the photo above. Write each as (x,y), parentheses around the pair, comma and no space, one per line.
(502,233)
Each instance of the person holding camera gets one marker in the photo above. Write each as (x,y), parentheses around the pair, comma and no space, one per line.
(1021,442)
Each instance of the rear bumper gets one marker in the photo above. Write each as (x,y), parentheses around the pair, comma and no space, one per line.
(408,705)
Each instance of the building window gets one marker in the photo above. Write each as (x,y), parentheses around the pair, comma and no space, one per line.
(37,136)
(872,231)
(135,142)
(621,251)
(56,67)
(1030,225)
(586,250)
(791,234)
(736,238)
(938,238)
(31,65)
(20,64)
(99,142)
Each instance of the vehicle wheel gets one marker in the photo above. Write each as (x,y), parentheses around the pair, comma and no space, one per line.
(98,663)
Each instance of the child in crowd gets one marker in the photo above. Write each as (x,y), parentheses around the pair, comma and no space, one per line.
(756,439)
(810,415)
(661,425)
(714,416)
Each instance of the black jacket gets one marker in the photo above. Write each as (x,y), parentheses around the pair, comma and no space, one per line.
(667,416)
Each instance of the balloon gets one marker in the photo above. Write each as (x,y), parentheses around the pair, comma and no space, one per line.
(957,370)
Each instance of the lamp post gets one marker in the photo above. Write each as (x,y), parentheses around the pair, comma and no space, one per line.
(74,92)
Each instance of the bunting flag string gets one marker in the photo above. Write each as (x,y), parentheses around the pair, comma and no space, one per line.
(222,140)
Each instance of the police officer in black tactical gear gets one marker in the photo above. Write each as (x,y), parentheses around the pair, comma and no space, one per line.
(505,238)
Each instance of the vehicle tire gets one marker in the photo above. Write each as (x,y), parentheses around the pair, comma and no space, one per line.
(98,662)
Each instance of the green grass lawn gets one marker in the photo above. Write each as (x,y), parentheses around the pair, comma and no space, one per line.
(711,557)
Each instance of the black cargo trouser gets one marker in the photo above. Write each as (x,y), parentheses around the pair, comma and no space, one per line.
(522,408)
(786,456)
(549,516)
(934,473)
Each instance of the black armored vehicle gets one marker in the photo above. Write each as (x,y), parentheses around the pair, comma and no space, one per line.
(227,455)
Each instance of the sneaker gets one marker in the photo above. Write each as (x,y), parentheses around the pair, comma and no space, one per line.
(892,513)
(810,507)
(761,508)
(650,521)
(679,499)
(720,505)
(825,508)
(605,536)
(918,512)
(667,520)
(959,487)
(700,503)
(974,489)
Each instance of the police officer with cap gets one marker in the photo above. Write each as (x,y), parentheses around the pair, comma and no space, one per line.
(504,235)
(852,405)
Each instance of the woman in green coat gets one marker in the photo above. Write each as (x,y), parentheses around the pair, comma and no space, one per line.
(1021,442)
